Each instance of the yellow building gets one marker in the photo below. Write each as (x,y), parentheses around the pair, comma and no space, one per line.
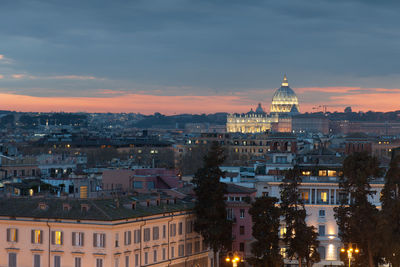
(128,232)
(284,105)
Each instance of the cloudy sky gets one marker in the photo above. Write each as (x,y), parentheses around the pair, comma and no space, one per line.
(175,56)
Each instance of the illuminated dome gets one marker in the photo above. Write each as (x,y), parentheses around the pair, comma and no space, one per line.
(285,100)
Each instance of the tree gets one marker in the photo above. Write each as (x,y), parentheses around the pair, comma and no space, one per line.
(356,217)
(266,221)
(300,239)
(389,225)
(210,208)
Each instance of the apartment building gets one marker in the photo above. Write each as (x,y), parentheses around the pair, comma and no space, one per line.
(125,232)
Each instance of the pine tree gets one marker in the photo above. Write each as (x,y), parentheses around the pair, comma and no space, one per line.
(358,218)
(300,239)
(266,221)
(210,208)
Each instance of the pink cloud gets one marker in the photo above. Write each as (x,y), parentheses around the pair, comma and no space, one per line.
(1,76)
(1,56)
(18,76)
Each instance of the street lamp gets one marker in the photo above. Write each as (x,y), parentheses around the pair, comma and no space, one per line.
(233,257)
(350,252)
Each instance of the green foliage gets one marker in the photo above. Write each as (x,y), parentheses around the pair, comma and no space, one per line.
(210,209)
(266,221)
(357,218)
(300,239)
(389,225)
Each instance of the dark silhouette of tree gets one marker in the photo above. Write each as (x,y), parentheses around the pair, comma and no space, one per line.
(266,221)
(389,226)
(300,239)
(210,208)
(357,217)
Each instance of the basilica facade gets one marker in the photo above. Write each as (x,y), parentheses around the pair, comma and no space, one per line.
(284,105)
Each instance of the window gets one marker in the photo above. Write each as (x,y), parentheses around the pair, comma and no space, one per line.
(321,251)
(189,227)
(36,260)
(172,230)
(155,256)
(12,235)
(242,213)
(138,184)
(146,258)
(164,253)
(241,246)
(305,196)
(127,261)
(136,237)
(56,237)
(189,248)
(99,240)
(127,237)
(164,231)
(196,246)
(321,230)
(136,260)
(283,231)
(116,262)
(181,250)
(172,252)
(12,260)
(180,228)
(241,230)
(99,262)
(146,234)
(283,252)
(155,233)
(37,236)
(116,240)
(78,262)
(321,213)
(322,173)
(229,213)
(77,239)
(57,261)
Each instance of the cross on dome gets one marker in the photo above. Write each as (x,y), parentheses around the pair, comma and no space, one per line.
(285,81)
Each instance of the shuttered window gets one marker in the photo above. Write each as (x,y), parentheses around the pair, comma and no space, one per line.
(57,238)
(78,239)
(36,236)
(36,260)
(12,235)
(99,240)
(12,260)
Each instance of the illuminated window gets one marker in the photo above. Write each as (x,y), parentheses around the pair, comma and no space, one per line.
(304,196)
(56,238)
(306,173)
(283,252)
(324,196)
(331,173)
(283,231)
(322,172)
(37,236)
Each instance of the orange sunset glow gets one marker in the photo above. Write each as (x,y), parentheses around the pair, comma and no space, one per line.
(379,100)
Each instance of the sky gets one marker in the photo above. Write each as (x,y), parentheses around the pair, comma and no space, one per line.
(191,56)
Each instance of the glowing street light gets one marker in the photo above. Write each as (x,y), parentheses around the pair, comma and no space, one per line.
(350,252)
(233,257)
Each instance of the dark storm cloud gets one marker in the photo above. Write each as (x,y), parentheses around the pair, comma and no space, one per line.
(196,47)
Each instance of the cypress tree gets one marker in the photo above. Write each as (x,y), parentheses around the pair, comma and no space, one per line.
(210,208)
(265,215)
(300,239)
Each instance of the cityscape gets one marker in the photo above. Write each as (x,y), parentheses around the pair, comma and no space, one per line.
(199,134)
